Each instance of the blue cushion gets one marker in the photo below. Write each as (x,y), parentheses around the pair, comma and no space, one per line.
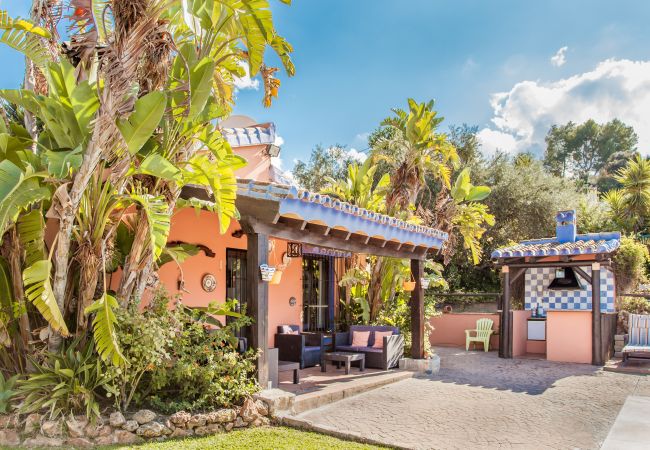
(349,348)
(312,349)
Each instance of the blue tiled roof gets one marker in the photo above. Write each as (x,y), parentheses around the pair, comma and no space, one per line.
(585,244)
(334,213)
(262,134)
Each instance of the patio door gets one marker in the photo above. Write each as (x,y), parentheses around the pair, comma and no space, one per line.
(317,293)
(236,280)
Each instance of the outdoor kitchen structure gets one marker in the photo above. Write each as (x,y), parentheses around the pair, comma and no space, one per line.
(569,291)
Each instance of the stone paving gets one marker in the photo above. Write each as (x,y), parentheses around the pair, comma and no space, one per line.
(478,400)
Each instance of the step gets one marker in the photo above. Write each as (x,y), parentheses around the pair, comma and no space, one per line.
(331,394)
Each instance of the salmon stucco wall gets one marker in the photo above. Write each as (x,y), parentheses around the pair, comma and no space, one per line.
(258,165)
(568,336)
(449,329)
(203,228)
(520,332)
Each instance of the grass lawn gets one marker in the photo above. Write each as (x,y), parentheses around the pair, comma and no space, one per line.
(258,438)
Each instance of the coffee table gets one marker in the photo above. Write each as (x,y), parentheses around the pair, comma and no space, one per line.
(343,357)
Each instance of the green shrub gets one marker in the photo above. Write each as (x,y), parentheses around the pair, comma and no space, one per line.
(7,392)
(634,305)
(145,338)
(70,382)
(207,370)
(630,264)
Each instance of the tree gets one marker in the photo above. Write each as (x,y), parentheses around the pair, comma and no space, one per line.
(581,151)
(630,204)
(116,142)
(324,162)
(464,138)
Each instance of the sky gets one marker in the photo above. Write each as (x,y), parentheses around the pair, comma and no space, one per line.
(512,68)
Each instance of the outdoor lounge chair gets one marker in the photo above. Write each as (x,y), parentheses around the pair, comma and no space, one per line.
(379,358)
(482,333)
(638,340)
(295,346)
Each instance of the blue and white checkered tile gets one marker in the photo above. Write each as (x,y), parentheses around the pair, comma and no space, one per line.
(536,292)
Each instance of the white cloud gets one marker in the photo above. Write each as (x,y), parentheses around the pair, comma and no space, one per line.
(559,58)
(279,140)
(246,82)
(469,67)
(614,89)
(353,153)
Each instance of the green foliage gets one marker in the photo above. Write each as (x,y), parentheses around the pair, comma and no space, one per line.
(630,205)
(145,338)
(581,151)
(634,305)
(104,332)
(137,129)
(70,382)
(7,392)
(359,188)
(38,290)
(18,191)
(207,370)
(630,264)
(324,163)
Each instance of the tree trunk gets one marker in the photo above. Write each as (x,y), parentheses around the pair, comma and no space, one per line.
(133,264)
(15,263)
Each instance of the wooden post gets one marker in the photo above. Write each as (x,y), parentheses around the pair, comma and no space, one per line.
(417,310)
(258,302)
(505,336)
(596,342)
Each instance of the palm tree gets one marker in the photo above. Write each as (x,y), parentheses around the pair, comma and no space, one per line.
(630,204)
(359,187)
(145,115)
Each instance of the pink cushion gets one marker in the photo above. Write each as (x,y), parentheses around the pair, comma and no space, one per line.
(360,338)
(379,338)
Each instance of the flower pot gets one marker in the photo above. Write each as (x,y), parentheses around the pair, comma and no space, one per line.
(267,272)
(277,276)
(408,285)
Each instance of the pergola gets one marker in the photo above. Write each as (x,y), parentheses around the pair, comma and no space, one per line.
(281,211)
(593,250)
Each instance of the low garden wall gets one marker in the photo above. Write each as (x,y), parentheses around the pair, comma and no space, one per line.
(37,431)
(449,329)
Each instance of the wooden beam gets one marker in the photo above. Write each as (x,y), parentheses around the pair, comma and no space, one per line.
(585,276)
(549,264)
(417,310)
(258,301)
(327,231)
(303,225)
(365,242)
(383,244)
(347,236)
(596,341)
(519,273)
(276,218)
(282,231)
(399,246)
(505,331)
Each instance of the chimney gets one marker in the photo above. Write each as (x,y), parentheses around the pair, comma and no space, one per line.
(566,226)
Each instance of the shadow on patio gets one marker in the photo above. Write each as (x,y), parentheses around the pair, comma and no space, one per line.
(487,370)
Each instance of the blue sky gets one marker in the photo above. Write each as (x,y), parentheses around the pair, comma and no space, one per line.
(486,63)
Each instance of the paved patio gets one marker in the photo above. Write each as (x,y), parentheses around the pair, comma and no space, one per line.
(480,401)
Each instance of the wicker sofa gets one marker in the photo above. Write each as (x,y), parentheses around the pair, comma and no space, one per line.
(638,338)
(378,358)
(295,346)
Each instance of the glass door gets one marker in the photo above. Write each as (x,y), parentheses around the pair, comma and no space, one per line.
(236,280)
(316,293)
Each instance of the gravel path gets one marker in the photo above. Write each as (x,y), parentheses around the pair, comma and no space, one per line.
(478,400)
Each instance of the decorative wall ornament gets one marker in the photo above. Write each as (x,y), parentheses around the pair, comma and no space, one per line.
(208,282)
(294,249)
(292,301)
(267,272)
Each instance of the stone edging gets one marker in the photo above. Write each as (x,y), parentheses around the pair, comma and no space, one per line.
(35,430)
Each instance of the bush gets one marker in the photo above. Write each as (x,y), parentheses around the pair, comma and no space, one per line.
(634,305)
(70,382)
(146,339)
(207,371)
(630,264)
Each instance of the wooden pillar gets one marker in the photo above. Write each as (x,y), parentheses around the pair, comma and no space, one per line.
(596,341)
(505,329)
(417,310)
(258,301)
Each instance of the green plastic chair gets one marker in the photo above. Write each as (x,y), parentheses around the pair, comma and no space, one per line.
(483,332)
